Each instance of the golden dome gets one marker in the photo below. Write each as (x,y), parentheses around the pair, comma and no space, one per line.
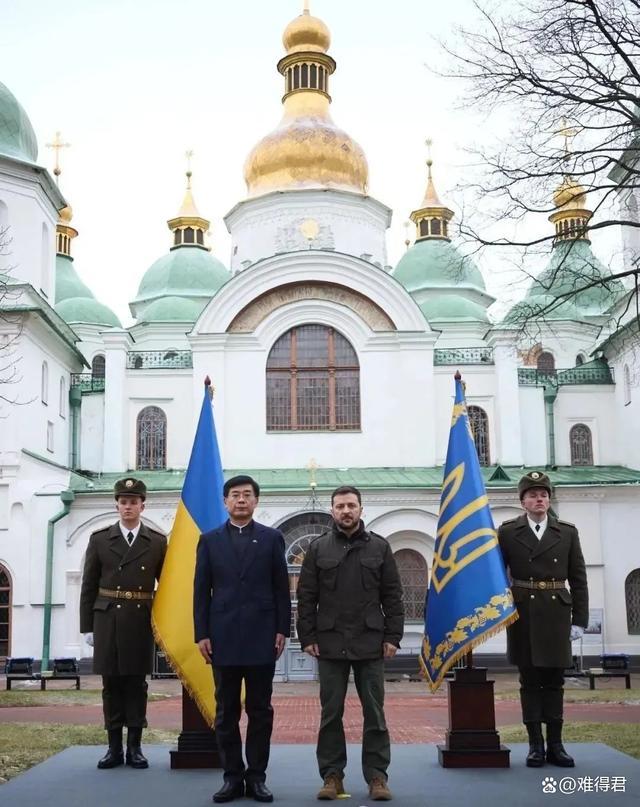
(569,192)
(306,34)
(66,214)
(306,149)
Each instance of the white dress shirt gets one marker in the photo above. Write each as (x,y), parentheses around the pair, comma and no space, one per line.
(125,531)
(543,526)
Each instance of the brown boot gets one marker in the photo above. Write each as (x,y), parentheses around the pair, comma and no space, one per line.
(378,789)
(332,787)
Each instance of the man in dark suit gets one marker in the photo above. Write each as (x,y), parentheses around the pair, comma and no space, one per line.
(543,555)
(242,614)
(122,564)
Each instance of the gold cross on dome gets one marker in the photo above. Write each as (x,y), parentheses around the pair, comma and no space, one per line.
(189,154)
(568,132)
(57,145)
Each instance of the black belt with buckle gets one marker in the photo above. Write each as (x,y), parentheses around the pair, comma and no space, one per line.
(112,594)
(539,584)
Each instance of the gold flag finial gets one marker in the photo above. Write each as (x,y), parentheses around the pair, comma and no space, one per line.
(56,145)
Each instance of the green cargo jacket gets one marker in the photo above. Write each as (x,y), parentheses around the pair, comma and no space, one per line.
(350,596)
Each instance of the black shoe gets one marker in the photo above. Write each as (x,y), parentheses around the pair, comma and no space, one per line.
(258,791)
(535,757)
(135,758)
(114,755)
(229,791)
(556,755)
(111,759)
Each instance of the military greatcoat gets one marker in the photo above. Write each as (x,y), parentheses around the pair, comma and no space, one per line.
(540,637)
(123,640)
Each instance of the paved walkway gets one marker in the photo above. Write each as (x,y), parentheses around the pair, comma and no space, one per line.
(413,715)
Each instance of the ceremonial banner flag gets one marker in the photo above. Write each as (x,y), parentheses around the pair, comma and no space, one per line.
(469,598)
(200,509)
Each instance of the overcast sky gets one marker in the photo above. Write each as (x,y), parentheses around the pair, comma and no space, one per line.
(133,85)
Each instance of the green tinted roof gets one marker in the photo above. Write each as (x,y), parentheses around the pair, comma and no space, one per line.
(572,267)
(87,311)
(17,138)
(172,309)
(185,272)
(440,306)
(297,479)
(436,263)
(68,283)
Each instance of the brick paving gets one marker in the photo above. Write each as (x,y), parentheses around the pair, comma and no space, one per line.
(413,714)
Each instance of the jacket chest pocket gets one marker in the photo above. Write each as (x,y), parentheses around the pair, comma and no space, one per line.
(328,572)
(371,571)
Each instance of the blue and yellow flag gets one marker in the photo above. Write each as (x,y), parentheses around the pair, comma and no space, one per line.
(200,509)
(469,598)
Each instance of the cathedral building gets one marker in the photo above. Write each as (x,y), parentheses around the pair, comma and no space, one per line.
(330,367)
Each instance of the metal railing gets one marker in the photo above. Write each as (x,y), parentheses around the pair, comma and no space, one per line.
(159,359)
(88,382)
(531,377)
(463,355)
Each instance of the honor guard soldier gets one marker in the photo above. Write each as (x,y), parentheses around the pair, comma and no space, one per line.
(549,585)
(122,564)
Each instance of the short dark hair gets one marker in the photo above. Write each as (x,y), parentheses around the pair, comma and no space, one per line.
(343,490)
(237,481)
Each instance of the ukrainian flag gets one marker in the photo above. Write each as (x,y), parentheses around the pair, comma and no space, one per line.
(200,509)
(469,598)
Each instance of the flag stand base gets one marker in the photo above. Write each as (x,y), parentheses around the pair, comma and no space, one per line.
(472,740)
(197,746)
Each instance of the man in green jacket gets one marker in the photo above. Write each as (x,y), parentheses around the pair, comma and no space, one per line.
(350,616)
(543,556)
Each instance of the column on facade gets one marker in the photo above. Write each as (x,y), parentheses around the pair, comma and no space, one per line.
(116,344)
(72,641)
(508,425)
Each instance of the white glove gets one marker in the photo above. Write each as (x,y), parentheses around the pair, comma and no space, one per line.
(88,637)
(576,632)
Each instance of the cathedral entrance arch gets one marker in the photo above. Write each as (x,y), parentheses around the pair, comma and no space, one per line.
(299,530)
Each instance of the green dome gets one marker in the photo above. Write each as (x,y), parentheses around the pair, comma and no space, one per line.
(68,284)
(434,263)
(87,311)
(185,272)
(172,309)
(450,306)
(17,138)
(573,265)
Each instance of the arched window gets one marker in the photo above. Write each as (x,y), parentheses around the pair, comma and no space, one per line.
(44,384)
(98,366)
(5,613)
(581,446)
(412,568)
(63,398)
(479,423)
(313,382)
(151,442)
(627,385)
(579,359)
(546,362)
(299,531)
(632,600)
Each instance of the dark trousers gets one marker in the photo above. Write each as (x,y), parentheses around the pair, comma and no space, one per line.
(332,747)
(541,694)
(258,685)
(124,701)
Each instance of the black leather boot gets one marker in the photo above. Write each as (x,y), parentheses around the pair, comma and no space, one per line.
(556,753)
(114,755)
(135,757)
(535,757)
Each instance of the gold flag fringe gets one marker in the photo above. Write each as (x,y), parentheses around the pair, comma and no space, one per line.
(202,706)
(462,651)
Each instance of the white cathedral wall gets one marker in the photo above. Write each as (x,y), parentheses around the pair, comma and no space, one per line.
(270,225)
(627,402)
(26,425)
(31,219)
(534,427)
(594,406)
(91,431)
